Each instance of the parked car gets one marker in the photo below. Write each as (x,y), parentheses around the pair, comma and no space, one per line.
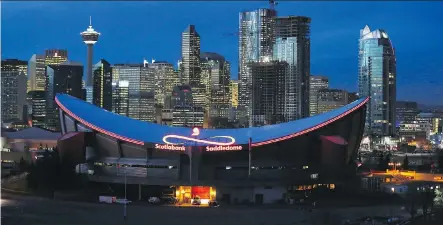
(123,201)
(154,200)
(213,203)
(196,201)
(168,200)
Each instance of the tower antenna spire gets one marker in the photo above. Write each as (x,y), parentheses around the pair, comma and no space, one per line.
(90,21)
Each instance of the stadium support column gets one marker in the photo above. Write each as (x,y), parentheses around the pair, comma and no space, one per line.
(194,154)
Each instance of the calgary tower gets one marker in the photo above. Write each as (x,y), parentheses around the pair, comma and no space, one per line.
(90,37)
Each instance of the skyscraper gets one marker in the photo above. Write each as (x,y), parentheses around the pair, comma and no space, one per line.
(37,76)
(102,85)
(120,97)
(55,56)
(234,93)
(164,78)
(62,78)
(292,45)
(377,79)
(316,83)
(13,89)
(37,108)
(90,37)
(268,93)
(141,88)
(190,64)
(256,39)
(184,112)
(216,71)
(406,112)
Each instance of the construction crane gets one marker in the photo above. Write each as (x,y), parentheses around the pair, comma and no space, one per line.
(272,4)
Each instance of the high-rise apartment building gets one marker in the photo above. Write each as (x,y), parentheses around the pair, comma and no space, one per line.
(37,75)
(190,64)
(268,93)
(13,89)
(293,45)
(216,79)
(377,79)
(141,88)
(316,83)
(102,85)
(63,78)
(256,40)
(36,101)
(234,93)
(331,99)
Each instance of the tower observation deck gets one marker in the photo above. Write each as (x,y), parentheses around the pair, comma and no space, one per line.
(90,37)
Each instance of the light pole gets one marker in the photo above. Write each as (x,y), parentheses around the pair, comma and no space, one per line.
(124,206)
(249,157)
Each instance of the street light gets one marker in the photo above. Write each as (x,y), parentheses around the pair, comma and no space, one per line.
(394,165)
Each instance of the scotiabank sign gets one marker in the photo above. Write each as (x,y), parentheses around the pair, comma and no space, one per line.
(207,148)
(224,148)
(170,147)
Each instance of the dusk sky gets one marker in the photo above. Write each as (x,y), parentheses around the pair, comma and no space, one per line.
(132,31)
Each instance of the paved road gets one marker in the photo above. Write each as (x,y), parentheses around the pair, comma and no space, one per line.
(31,210)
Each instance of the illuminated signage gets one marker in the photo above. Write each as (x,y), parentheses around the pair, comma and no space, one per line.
(195,132)
(170,147)
(224,148)
(199,141)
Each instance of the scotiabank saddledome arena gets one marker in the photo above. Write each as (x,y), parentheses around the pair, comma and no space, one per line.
(259,164)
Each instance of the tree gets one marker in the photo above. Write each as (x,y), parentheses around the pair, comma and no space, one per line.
(406,163)
(22,164)
(438,199)
(381,162)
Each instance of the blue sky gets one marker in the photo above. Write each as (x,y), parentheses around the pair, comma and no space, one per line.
(132,31)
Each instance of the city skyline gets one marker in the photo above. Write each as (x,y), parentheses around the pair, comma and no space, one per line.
(333,48)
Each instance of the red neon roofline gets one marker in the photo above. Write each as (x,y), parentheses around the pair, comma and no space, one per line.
(312,128)
(95,127)
(253,144)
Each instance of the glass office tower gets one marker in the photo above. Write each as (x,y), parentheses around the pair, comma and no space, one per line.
(256,39)
(377,79)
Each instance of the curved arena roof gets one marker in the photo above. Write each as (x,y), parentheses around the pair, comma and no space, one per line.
(138,132)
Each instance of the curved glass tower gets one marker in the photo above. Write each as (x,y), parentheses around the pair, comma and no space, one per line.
(377,79)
